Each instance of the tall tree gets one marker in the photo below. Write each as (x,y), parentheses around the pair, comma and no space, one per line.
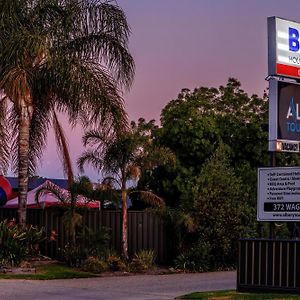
(194,124)
(123,157)
(68,55)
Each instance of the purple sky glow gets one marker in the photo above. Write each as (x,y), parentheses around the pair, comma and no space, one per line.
(186,44)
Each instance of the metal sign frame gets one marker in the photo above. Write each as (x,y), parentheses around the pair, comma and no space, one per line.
(278,194)
(283,47)
(281,92)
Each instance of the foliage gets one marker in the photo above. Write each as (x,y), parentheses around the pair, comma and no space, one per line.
(96,242)
(221,214)
(88,243)
(115,263)
(122,158)
(72,220)
(198,195)
(69,56)
(74,255)
(12,244)
(181,223)
(193,126)
(66,43)
(142,261)
(94,265)
(33,238)
(17,243)
(195,259)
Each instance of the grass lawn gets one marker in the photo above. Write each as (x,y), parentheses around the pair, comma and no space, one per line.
(50,272)
(233,295)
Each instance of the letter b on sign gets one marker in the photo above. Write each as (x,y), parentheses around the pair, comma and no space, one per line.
(293,39)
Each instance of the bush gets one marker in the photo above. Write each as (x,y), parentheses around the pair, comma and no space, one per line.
(34,237)
(87,244)
(97,242)
(195,259)
(115,263)
(94,265)
(74,255)
(142,261)
(17,243)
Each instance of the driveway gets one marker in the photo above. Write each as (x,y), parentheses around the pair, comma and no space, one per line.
(142,287)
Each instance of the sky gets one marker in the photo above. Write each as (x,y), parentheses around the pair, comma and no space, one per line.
(187,44)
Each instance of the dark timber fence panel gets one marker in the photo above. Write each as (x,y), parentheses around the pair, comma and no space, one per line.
(269,265)
(145,230)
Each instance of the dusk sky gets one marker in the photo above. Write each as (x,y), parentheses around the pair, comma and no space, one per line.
(187,44)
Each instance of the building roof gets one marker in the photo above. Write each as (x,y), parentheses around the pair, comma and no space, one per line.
(37,181)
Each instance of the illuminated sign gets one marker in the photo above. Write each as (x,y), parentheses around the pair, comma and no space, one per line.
(284,116)
(278,194)
(287,146)
(284,47)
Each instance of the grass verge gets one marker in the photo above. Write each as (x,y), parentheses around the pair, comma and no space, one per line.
(233,295)
(50,272)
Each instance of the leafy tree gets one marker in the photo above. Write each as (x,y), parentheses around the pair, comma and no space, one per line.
(67,55)
(194,125)
(121,159)
(221,214)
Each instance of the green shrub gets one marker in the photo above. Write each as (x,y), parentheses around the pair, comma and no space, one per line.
(142,261)
(74,255)
(94,265)
(195,259)
(17,243)
(33,238)
(96,242)
(115,263)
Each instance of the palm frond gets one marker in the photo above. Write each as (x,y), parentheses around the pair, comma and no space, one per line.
(102,32)
(150,198)
(63,149)
(154,156)
(133,172)
(13,123)
(4,137)
(15,83)
(84,86)
(38,135)
(54,190)
(108,182)
(90,157)
(96,137)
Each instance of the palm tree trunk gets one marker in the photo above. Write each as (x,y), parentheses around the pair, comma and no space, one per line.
(124,223)
(24,127)
(72,221)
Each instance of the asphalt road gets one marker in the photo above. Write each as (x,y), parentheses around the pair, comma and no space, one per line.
(142,287)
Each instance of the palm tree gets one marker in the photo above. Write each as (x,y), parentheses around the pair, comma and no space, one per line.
(67,55)
(121,158)
(81,189)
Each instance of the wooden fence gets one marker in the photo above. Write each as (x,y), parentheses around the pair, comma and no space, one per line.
(145,230)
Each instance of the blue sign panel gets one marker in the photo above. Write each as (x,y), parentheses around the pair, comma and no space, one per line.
(288,111)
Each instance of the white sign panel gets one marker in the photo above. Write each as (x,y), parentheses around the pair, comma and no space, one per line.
(284,47)
(278,194)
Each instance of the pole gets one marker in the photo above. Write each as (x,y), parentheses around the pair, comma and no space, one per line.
(272,224)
